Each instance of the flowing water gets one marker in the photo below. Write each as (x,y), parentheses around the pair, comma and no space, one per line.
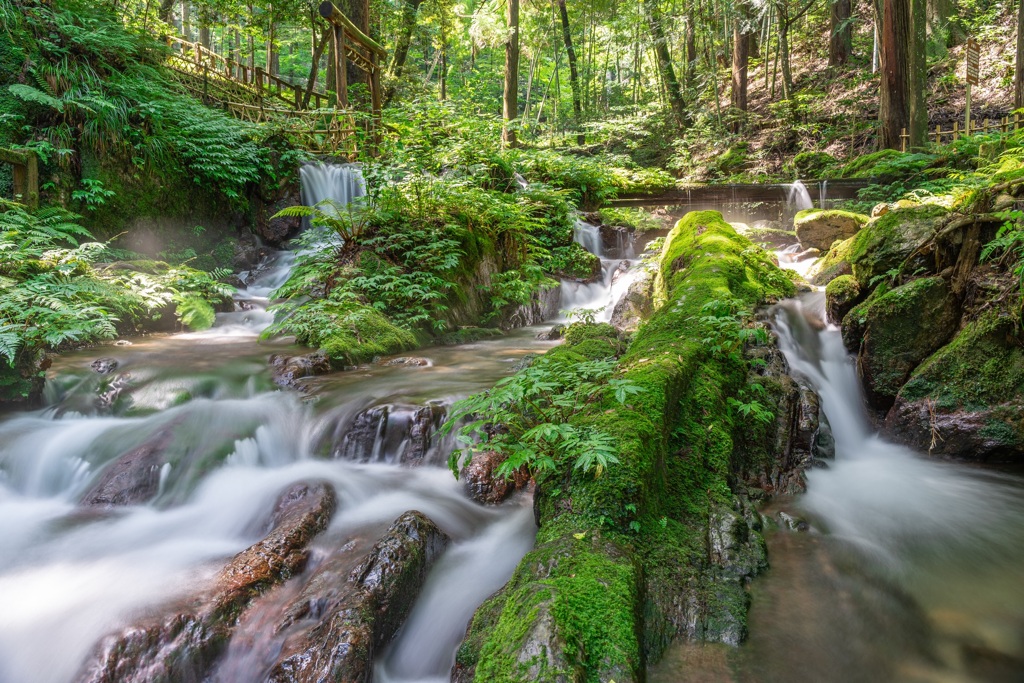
(619,269)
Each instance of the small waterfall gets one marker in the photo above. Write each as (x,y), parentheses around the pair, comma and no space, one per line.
(588,236)
(797,197)
(822,194)
(616,273)
(340,183)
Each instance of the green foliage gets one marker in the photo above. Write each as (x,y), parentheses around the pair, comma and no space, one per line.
(1008,248)
(528,417)
(573,262)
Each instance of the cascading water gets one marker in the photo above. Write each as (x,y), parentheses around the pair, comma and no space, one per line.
(89,545)
(797,197)
(918,576)
(617,274)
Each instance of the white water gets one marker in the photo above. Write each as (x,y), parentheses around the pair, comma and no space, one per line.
(798,198)
(327,184)
(70,575)
(617,274)
(948,537)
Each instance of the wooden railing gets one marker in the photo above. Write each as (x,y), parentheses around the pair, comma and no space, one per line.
(26,175)
(197,61)
(938,136)
(322,131)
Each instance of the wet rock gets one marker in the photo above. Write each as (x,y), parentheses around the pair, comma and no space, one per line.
(484,485)
(134,477)
(553,334)
(791,523)
(108,392)
(288,370)
(897,330)
(392,433)
(637,304)
(819,228)
(276,231)
(834,263)
(183,644)
(346,619)
(104,366)
(122,342)
(543,305)
(823,446)
(408,362)
(980,435)
(840,296)
(879,210)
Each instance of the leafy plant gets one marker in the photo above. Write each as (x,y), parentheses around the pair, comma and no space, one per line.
(528,418)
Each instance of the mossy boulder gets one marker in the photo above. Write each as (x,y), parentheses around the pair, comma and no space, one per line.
(840,296)
(967,400)
(885,244)
(573,263)
(820,228)
(901,328)
(652,549)
(834,263)
(361,336)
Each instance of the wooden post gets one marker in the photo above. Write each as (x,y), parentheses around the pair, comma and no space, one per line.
(967,116)
(938,135)
(956,130)
(903,140)
(26,176)
(340,68)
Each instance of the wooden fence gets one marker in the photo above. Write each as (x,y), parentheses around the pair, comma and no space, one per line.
(938,136)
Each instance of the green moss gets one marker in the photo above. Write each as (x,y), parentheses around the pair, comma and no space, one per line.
(843,289)
(815,165)
(884,244)
(578,332)
(573,263)
(362,336)
(468,335)
(982,366)
(676,448)
(808,215)
(865,166)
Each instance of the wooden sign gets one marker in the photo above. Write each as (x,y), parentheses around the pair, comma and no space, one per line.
(973,61)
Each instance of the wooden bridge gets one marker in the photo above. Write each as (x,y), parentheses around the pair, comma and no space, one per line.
(322,122)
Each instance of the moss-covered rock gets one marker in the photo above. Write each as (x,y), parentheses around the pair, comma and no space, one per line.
(967,400)
(901,328)
(644,553)
(820,228)
(362,336)
(573,262)
(885,244)
(834,263)
(840,296)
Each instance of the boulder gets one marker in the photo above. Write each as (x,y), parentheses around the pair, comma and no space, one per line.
(134,477)
(342,619)
(840,296)
(104,366)
(183,644)
(966,401)
(898,329)
(407,361)
(288,370)
(834,263)
(553,334)
(885,245)
(820,228)
(484,485)
(393,433)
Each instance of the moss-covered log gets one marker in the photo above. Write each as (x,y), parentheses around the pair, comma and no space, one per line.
(658,546)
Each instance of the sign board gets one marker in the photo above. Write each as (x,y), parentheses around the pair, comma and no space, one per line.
(973,61)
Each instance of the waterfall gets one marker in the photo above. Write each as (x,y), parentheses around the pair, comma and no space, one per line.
(617,274)
(339,183)
(797,197)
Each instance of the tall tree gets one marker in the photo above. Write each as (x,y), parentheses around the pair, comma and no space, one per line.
(665,68)
(917,81)
(894,88)
(1018,71)
(740,57)
(410,10)
(510,98)
(574,74)
(840,44)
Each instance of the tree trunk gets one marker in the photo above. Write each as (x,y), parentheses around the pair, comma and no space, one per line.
(510,98)
(186,26)
(574,76)
(691,48)
(166,8)
(664,59)
(1018,71)
(787,72)
(740,60)
(917,70)
(840,44)
(894,92)
(410,10)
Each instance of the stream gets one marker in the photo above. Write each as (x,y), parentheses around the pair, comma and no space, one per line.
(912,570)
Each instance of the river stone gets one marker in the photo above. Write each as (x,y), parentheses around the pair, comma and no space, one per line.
(349,618)
(840,296)
(899,329)
(484,485)
(288,370)
(637,303)
(819,228)
(104,366)
(886,244)
(134,477)
(183,644)
(407,361)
